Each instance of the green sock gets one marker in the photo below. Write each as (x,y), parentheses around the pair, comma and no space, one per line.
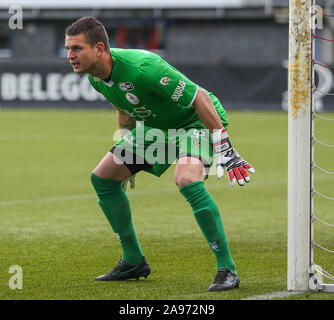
(210,222)
(115,205)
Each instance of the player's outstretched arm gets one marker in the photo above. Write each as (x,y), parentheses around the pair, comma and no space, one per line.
(226,156)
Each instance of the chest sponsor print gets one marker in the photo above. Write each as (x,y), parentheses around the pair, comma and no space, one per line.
(142,112)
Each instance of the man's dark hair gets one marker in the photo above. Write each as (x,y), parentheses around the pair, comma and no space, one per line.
(93,30)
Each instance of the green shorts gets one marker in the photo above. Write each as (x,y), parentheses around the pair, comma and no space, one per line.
(154,150)
(159,149)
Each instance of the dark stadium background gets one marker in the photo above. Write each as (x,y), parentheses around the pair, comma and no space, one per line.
(238,49)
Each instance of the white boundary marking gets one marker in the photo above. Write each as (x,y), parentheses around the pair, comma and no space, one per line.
(273,295)
(211,186)
(60,198)
(83,196)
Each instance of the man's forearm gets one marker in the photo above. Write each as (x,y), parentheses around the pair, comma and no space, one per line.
(125,122)
(206,111)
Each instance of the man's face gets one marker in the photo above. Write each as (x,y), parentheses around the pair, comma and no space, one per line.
(80,54)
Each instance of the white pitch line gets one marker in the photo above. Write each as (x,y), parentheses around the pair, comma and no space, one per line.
(83,196)
(211,186)
(273,295)
(60,198)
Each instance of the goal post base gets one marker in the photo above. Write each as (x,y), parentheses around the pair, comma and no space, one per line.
(316,285)
(315,280)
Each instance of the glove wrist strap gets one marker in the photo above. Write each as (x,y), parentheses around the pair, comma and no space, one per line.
(220,141)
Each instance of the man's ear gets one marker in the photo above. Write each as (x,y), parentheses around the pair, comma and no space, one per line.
(100,48)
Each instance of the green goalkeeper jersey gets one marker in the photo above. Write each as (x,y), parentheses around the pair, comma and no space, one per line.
(149,89)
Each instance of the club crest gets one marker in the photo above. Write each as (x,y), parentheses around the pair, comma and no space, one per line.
(133,99)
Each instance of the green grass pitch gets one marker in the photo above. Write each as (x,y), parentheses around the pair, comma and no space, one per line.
(52,226)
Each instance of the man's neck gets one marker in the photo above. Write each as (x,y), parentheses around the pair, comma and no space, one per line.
(104,68)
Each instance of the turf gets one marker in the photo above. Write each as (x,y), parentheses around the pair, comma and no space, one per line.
(52,226)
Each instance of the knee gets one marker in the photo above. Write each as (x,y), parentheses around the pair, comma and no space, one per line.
(183,180)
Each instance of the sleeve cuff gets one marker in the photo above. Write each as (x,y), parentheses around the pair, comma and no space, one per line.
(193,99)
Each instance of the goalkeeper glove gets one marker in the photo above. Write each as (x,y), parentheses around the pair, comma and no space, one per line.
(227,157)
(132,180)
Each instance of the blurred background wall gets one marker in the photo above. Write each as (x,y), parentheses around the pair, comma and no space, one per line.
(237,49)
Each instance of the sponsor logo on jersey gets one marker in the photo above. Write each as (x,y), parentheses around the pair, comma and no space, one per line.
(142,112)
(178,90)
(164,81)
(133,99)
(199,133)
(126,86)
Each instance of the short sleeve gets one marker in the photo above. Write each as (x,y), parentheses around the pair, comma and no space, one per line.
(164,80)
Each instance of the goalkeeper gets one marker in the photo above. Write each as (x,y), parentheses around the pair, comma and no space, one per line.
(144,87)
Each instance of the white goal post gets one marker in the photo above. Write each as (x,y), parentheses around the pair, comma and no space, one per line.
(301,276)
(299,144)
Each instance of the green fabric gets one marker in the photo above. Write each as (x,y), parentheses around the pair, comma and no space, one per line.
(162,147)
(151,90)
(209,220)
(115,205)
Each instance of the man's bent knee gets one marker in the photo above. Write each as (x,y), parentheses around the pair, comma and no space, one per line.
(188,170)
(183,180)
(108,168)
